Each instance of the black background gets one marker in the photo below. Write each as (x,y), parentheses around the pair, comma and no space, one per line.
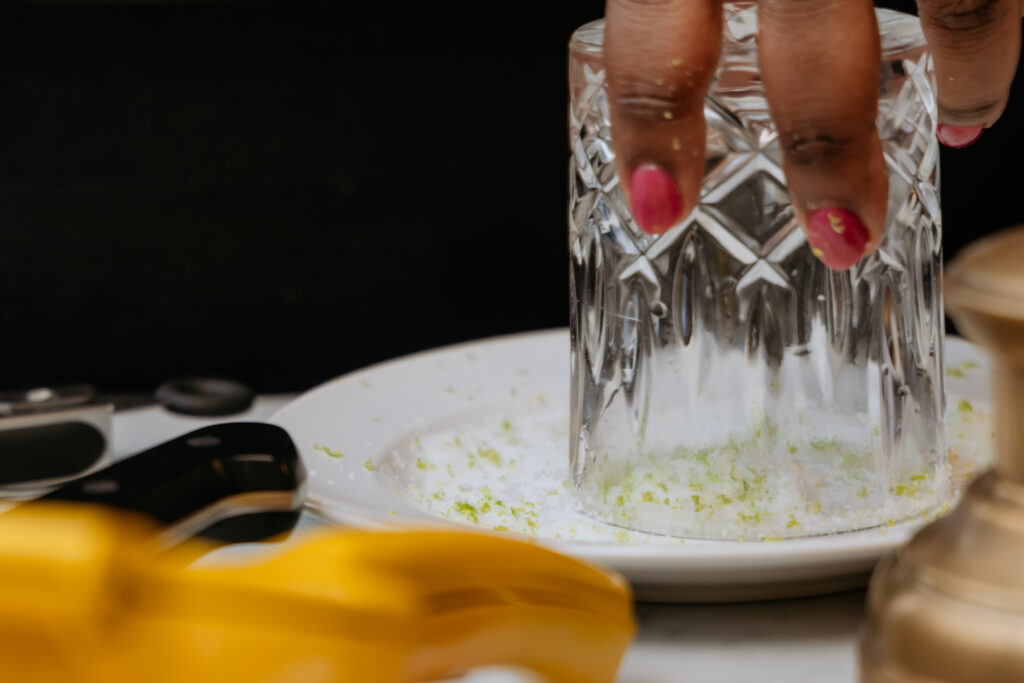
(284,191)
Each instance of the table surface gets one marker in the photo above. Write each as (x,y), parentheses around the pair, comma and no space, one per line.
(811,639)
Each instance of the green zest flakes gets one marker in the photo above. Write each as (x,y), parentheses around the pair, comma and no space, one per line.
(808,484)
(469,511)
(960,370)
(490,455)
(329,452)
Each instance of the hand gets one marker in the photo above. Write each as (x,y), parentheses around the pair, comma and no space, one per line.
(820,64)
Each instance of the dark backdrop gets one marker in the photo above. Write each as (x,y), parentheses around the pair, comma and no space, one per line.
(284,191)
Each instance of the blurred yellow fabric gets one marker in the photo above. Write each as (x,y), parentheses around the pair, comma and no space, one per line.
(87,595)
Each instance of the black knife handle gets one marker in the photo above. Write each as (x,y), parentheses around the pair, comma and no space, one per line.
(41,453)
(236,482)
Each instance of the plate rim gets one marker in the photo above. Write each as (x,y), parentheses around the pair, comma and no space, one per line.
(695,554)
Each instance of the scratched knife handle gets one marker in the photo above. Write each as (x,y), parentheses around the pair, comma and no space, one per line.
(234,483)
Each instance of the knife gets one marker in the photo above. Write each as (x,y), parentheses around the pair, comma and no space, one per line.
(228,483)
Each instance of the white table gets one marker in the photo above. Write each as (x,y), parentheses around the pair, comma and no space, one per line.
(792,641)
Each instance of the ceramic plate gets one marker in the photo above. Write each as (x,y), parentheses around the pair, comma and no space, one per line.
(476,434)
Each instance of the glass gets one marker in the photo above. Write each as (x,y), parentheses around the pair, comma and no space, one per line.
(725,383)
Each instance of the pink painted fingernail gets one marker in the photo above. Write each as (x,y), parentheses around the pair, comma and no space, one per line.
(837,237)
(958,136)
(656,201)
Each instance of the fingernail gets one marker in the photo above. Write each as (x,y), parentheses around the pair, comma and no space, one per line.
(656,201)
(958,136)
(837,237)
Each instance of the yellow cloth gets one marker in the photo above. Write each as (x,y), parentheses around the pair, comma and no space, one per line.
(86,595)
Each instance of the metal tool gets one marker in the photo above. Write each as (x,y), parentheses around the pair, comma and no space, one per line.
(49,436)
(949,606)
(52,435)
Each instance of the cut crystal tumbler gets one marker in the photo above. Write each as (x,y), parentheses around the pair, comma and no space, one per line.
(725,383)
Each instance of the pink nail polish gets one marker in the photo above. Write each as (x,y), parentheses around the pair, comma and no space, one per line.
(656,201)
(837,237)
(958,136)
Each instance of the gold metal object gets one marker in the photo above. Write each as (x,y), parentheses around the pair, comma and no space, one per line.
(949,606)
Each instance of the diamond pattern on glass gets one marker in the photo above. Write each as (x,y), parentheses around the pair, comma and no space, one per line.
(758,206)
(727,327)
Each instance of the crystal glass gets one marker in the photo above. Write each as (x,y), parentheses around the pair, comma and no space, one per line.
(725,383)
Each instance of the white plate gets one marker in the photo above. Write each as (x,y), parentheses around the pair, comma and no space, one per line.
(364,436)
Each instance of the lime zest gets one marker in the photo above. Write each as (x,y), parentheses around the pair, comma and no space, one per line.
(466,509)
(329,452)
(490,455)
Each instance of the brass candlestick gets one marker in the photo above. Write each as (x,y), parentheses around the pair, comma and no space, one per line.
(949,606)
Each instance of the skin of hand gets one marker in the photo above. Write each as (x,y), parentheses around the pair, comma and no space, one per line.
(822,91)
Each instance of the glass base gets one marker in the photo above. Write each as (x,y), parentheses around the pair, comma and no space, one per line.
(762,483)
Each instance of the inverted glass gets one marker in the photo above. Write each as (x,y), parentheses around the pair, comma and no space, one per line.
(725,383)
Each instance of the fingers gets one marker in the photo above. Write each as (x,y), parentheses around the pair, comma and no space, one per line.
(821,65)
(660,57)
(975,44)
